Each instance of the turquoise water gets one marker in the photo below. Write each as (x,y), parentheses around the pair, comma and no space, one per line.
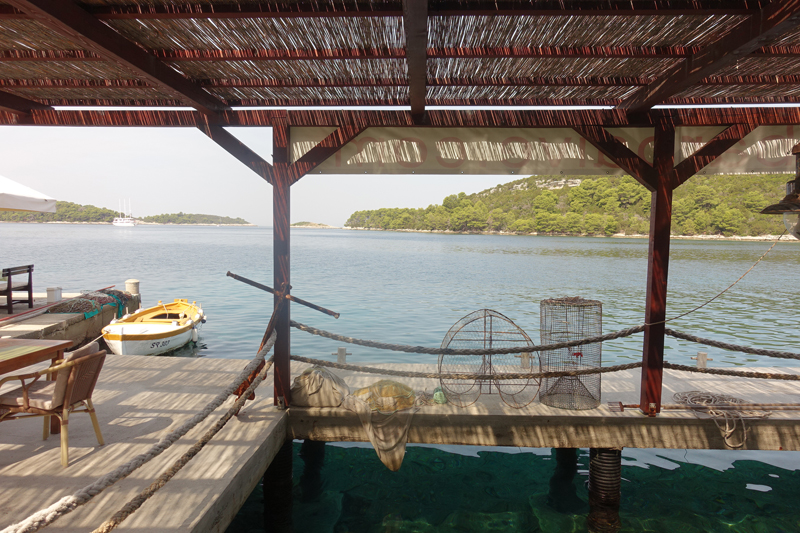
(410,288)
(480,491)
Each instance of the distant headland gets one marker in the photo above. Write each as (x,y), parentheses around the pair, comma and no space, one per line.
(70,213)
(313,225)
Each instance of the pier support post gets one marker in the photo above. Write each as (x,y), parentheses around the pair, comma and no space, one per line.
(657,267)
(281,271)
(312,452)
(277,485)
(563,496)
(605,478)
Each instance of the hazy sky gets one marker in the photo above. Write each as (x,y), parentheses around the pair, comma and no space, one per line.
(167,170)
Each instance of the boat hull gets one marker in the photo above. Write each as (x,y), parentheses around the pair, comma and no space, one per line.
(148,346)
(156,330)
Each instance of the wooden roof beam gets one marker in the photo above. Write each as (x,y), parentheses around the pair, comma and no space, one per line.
(70,20)
(415,23)
(762,27)
(710,152)
(239,150)
(620,154)
(11,103)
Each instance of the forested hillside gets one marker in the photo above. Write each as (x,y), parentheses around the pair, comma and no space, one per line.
(65,212)
(189,218)
(704,205)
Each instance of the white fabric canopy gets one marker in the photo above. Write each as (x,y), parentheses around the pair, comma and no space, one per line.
(16,197)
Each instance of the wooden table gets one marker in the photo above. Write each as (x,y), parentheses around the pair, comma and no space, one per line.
(19,353)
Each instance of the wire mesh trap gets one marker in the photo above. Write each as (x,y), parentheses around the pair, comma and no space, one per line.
(563,320)
(488,329)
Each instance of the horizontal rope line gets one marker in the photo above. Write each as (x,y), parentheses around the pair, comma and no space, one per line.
(736,373)
(483,377)
(452,351)
(733,347)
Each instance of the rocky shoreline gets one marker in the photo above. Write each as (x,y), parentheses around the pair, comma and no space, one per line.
(756,238)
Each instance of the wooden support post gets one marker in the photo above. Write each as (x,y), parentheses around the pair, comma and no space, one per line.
(657,267)
(281,271)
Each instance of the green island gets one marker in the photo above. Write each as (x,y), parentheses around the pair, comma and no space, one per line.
(724,205)
(306,224)
(69,212)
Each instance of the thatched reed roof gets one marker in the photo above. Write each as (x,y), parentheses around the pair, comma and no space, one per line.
(221,53)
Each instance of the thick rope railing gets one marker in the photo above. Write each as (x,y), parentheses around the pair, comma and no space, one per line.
(453,351)
(134,504)
(67,504)
(733,347)
(440,375)
(734,373)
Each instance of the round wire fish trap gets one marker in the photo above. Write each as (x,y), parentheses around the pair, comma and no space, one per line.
(563,320)
(488,329)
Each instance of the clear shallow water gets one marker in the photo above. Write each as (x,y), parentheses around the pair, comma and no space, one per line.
(410,288)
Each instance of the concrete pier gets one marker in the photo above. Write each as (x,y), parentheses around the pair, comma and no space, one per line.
(59,326)
(140,399)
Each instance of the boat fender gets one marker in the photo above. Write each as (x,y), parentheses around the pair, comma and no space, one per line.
(174,322)
(195,335)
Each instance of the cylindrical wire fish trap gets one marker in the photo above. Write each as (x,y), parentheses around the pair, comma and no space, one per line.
(569,319)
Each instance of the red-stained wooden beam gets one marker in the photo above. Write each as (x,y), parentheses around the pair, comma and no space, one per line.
(41,83)
(657,269)
(278,55)
(48,55)
(708,153)
(453,118)
(239,150)
(433,82)
(68,19)
(766,25)
(11,103)
(620,154)
(415,23)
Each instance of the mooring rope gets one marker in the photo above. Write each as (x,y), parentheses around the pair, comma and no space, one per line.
(440,375)
(67,504)
(732,418)
(453,351)
(733,347)
(729,287)
(134,504)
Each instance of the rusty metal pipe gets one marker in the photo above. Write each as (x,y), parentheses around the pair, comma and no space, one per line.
(289,297)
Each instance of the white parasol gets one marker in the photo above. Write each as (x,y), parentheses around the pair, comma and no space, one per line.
(16,197)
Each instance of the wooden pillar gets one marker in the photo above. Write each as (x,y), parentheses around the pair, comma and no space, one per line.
(281,271)
(657,268)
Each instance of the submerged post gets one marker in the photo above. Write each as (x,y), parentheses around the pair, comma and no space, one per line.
(657,267)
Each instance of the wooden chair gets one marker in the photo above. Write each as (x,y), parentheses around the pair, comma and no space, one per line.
(7,286)
(76,376)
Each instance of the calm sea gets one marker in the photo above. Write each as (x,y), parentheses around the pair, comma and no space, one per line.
(410,288)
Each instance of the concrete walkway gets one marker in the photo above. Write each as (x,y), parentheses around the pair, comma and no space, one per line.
(138,401)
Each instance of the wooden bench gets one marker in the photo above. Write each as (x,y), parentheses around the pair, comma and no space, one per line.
(8,286)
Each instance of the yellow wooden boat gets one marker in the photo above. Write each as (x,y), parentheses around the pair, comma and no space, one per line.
(155,330)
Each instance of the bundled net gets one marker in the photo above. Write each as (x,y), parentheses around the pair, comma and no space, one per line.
(569,319)
(486,328)
(92,302)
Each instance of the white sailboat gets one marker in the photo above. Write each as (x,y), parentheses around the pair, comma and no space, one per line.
(125,220)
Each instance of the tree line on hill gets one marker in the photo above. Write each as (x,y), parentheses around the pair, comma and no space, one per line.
(70,212)
(704,205)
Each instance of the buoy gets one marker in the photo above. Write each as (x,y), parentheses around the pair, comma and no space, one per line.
(195,335)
